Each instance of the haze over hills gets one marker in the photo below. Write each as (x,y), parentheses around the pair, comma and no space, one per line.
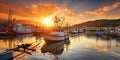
(100,23)
(29,22)
(96,23)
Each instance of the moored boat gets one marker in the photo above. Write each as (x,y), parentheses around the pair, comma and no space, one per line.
(6,31)
(74,31)
(20,29)
(80,30)
(57,33)
(10,27)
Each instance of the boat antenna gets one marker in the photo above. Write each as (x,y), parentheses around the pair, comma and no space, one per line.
(10,15)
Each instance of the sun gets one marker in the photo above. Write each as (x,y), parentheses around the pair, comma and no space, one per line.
(48,22)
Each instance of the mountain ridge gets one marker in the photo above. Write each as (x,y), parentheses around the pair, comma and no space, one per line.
(100,23)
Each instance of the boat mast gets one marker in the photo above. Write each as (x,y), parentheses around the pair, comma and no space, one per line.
(10,16)
(58,21)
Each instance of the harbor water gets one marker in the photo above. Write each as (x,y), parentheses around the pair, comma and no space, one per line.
(82,46)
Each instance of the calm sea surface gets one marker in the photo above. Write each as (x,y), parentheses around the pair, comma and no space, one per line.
(84,46)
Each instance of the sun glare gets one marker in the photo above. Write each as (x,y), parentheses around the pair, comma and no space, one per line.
(48,22)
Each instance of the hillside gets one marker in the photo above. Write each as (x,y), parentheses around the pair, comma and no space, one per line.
(100,23)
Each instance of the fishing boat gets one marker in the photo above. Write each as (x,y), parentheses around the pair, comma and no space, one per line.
(7,28)
(81,30)
(74,31)
(57,33)
(11,28)
(6,31)
(20,29)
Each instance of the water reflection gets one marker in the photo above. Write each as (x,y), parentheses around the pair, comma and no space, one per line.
(19,44)
(118,42)
(107,44)
(54,49)
(9,42)
(85,46)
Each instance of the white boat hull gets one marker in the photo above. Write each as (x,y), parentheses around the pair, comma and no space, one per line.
(81,30)
(54,38)
(24,32)
(20,29)
(74,31)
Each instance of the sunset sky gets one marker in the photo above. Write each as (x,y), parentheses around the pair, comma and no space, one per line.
(74,11)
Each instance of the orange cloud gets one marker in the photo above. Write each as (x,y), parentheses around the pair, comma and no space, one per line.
(36,11)
(102,10)
(68,12)
(44,10)
(65,12)
(3,7)
(33,11)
